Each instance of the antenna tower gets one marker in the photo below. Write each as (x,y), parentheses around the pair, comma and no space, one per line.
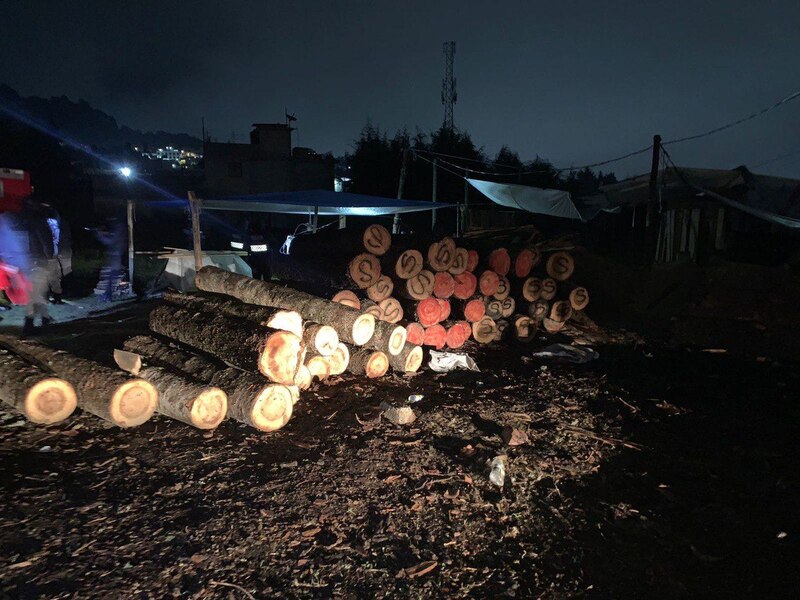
(449,94)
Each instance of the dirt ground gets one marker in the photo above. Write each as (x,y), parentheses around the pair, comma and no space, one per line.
(650,472)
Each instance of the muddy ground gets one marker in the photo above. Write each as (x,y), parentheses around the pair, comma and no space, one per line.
(650,472)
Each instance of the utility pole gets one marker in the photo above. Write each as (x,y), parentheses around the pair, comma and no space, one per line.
(433,194)
(400,186)
(130,217)
(194,207)
(449,94)
(465,208)
(653,195)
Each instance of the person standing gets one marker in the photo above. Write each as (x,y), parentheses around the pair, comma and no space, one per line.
(54,271)
(40,251)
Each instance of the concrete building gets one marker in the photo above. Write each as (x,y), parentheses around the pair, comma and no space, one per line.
(267,164)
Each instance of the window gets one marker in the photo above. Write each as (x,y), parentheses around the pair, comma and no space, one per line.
(235,169)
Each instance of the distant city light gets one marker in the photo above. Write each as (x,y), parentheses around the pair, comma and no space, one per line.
(125,171)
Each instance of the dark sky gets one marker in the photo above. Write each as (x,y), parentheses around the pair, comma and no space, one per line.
(574,82)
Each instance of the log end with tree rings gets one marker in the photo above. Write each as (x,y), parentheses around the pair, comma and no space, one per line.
(503,288)
(49,401)
(549,289)
(466,329)
(455,337)
(552,326)
(348,298)
(321,339)
(391,310)
(473,258)
(509,306)
(303,378)
(474,310)
(381,289)
(338,361)
(532,289)
(409,264)
(443,285)
(415,334)
(523,263)
(484,330)
(363,329)
(286,320)
(460,263)
(524,328)
(377,239)
(209,408)
(444,309)
(442,254)
(579,298)
(397,340)
(364,270)
(500,261)
(464,285)
(488,283)
(319,367)
(282,356)
(436,336)
(413,360)
(494,308)
(538,310)
(133,403)
(560,266)
(427,312)
(372,363)
(561,311)
(272,408)
(420,286)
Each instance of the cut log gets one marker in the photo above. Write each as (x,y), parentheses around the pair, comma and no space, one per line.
(443,285)
(455,337)
(372,363)
(465,285)
(444,309)
(460,263)
(347,298)
(389,338)
(502,329)
(409,360)
(442,254)
(500,261)
(381,289)
(549,289)
(560,266)
(436,336)
(488,283)
(473,258)
(418,287)
(494,308)
(474,310)
(532,289)
(276,354)
(303,379)
(466,329)
(251,400)
(101,391)
(538,310)
(427,312)
(415,334)
(320,339)
(552,326)
(38,395)
(364,270)
(370,308)
(377,239)
(319,367)
(525,261)
(509,306)
(339,360)
(524,328)
(408,264)
(484,330)
(274,318)
(351,325)
(579,298)
(391,311)
(561,311)
(503,288)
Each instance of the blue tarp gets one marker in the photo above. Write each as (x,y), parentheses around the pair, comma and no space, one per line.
(326,202)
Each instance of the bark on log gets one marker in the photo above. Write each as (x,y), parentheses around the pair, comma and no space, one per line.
(389,338)
(372,363)
(484,330)
(106,393)
(409,360)
(33,392)
(274,318)
(560,266)
(251,400)
(441,255)
(339,360)
(320,339)
(381,289)
(465,285)
(351,325)
(275,354)
(371,308)
(460,263)
(347,298)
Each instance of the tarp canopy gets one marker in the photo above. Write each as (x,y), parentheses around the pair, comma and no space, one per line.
(326,202)
(555,203)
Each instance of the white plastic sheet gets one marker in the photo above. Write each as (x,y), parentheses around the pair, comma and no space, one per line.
(442,362)
(556,203)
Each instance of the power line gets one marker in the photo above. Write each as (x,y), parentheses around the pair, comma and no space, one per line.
(776,159)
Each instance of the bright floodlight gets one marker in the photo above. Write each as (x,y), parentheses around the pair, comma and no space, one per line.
(125,171)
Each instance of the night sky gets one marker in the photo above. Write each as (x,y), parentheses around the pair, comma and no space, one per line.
(574,82)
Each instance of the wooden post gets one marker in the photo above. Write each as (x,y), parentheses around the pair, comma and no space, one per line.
(342,221)
(130,241)
(433,194)
(194,207)
(400,186)
(653,195)
(465,208)
(315,222)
